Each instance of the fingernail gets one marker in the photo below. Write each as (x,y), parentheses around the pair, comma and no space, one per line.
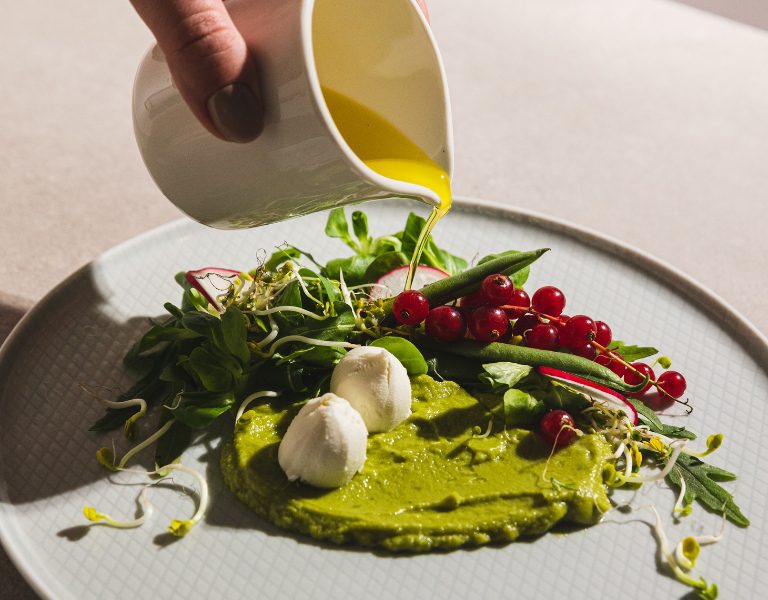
(237,112)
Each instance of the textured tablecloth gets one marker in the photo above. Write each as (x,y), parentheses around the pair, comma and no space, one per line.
(645,120)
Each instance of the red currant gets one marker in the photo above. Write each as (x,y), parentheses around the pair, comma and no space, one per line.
(498,289)
(613,364)
(525,323)
(633,378)
(548,300)
(672,383)
(577,331)
(410,307)
(560,324)
(488,323)
(586,350)
(476,298)
(557,428)
(542,336)
(520,301)
(603,333)
(445,324)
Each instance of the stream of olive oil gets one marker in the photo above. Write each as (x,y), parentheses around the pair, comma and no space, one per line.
(389,152)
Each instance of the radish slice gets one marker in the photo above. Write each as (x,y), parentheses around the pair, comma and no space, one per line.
(212,282)
(392,283)
(599,393)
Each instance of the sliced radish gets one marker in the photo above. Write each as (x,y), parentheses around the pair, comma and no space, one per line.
(212,282)
(392,283)
(599,393)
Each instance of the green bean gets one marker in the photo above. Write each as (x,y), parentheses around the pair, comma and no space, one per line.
(499,352)
(456,286)
(468,281)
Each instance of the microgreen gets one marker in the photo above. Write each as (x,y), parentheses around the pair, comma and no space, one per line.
(280,329)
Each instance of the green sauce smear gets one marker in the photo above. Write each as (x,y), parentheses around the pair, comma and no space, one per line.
(431,483)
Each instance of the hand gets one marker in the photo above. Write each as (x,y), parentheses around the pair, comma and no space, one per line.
(210,64)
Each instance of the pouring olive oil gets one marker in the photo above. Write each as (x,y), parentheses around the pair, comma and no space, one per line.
(389,152)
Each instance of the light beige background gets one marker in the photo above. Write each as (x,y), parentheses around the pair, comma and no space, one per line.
(646,120)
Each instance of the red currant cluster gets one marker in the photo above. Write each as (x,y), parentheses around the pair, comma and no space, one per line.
(500,312)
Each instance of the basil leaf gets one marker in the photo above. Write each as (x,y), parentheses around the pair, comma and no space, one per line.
(216,370)
(317,356)
(235,333)
(360,227)
(521,409)
(405,352)
(566,398)
(383,264)
(172,444)
(502,375)
(432,256)
(174,311)
(199,409)
(354,268)
(202,323)
(386,243)
(280,256)
(701,485)
(290,296)
(411,232)
(333,329)
(336,227)
(632,353)
(453,264)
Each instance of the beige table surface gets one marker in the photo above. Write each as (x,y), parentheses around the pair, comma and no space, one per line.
(646,120)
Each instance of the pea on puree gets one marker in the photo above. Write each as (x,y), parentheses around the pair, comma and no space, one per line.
(432,482)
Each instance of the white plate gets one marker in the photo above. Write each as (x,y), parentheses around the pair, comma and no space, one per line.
(79,332)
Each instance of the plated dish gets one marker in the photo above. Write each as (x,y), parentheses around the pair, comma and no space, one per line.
(80,332)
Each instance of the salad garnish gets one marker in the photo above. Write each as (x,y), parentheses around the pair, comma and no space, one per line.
(278,331)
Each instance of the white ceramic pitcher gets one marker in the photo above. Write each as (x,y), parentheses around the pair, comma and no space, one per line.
(380,53)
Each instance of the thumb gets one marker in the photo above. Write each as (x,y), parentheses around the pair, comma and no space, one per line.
(210,64)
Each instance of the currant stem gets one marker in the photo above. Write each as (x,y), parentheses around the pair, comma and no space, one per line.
(686,402)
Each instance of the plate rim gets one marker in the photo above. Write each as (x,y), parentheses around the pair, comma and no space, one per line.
(742,330)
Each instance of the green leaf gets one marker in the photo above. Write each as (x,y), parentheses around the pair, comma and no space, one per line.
(502,375)
(336,227)
(280,256)
(386,243)
(172,444)
(453,264)
(330,289)
(413,226)
(199,409)
(383,264)
(285,253)
(174,310)
(632,353)
(405,352)
(564,397)
(202,323)
(354,268)
(318,356)
(235,334)
(360,227)
(646,416)
(432,256)
(701,485)
(216,370)
(518,278)
(290,296)
(521,409)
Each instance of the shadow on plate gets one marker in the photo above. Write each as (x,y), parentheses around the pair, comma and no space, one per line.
(46,448)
